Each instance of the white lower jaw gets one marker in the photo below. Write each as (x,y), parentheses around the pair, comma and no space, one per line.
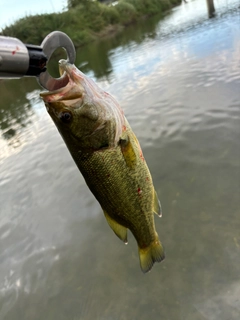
(71,92)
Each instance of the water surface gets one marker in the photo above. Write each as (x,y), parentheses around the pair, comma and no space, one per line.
(178,81)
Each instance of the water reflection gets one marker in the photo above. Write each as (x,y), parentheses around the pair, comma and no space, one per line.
(15,108)
(96,58)
(17,117)
(211,8)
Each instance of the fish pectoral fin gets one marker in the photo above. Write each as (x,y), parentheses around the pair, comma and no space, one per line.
(153,253)
(157,205)
(128,151)
(118,229)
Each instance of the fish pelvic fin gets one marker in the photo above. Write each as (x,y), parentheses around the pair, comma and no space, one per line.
(118,229)
(157,205)
(153,253)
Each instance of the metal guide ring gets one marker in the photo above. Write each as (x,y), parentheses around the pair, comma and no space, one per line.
(53,41)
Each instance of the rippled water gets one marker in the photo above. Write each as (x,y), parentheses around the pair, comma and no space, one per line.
(178,81)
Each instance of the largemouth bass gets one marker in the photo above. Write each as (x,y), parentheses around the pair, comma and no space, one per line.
(110,158)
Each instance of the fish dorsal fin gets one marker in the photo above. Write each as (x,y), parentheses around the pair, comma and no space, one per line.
(128,151)
(118,229)
(157,205)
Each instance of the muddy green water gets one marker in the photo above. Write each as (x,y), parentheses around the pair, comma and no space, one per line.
(178,81)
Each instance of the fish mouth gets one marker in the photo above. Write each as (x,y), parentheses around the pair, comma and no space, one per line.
(65,66)
(77,87)
(73,90)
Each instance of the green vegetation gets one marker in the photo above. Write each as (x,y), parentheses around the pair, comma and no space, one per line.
(86,20)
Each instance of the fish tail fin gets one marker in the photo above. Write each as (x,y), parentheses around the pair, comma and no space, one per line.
(153,253)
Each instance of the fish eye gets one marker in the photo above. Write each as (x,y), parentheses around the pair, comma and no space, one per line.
(66,117)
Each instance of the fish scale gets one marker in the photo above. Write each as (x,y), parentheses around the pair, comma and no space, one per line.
(115,186)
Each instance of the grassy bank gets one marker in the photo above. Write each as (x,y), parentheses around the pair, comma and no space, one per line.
(85,21)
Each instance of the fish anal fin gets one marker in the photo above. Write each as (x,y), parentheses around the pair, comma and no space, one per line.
(157,205)
(153,253)
(118,229)
(128,152)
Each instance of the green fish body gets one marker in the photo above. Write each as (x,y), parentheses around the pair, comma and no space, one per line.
(110,158)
